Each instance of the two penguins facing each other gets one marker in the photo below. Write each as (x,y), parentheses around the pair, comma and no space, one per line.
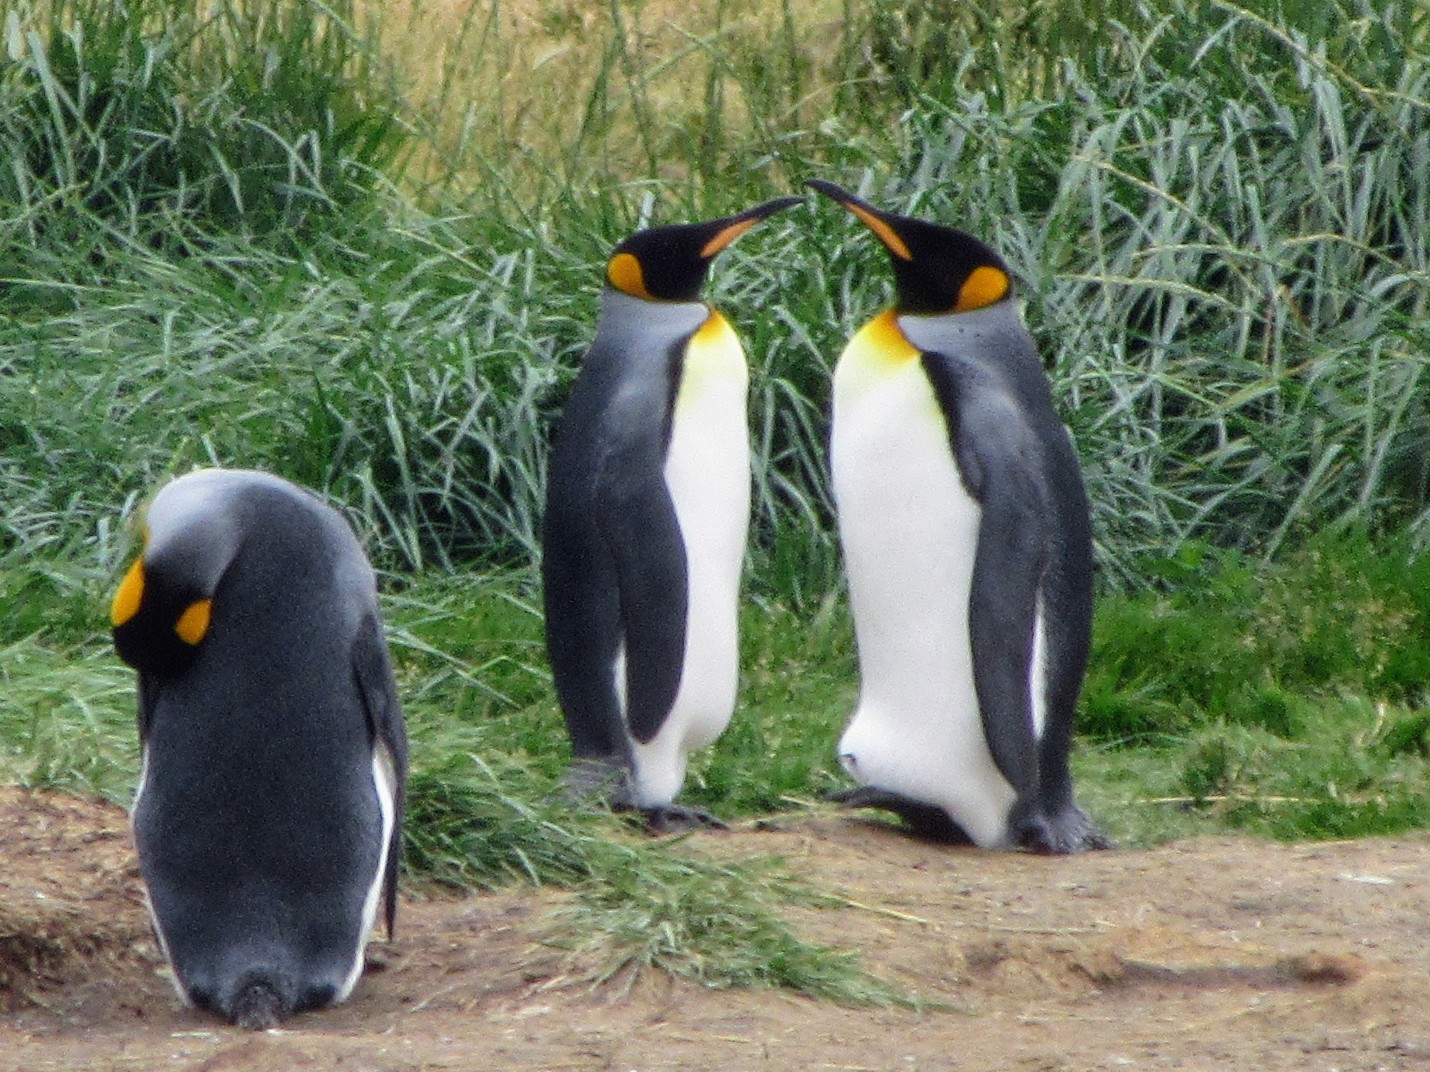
(268,818)
(962,517)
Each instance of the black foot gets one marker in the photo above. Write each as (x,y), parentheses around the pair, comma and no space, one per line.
(604,780)
(1068,832)
(926,820)
(674,819)
(609,782)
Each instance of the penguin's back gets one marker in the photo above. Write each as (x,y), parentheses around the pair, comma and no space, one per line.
(265,799)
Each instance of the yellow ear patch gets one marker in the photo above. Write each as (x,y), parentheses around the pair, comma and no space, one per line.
(624,272)
(194,622)
(886,234)
(129,594)
(984,286)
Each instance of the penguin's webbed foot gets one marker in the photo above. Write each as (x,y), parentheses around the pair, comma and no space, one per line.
(609,782)
(598,779)
(1068,832)
(924,820)
(676,818)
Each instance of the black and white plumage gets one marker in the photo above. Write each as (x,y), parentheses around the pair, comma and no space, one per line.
(965,530)
(274,755)
(644,531)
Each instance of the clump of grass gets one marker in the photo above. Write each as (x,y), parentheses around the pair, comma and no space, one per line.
(1231,640)
(1284,700)
(1361,779)
(151,126)
(637,905)
(715,924)
(68,720)
(68,716)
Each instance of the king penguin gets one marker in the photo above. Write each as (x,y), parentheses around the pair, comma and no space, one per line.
(273,751)
(964,525)
(647,512)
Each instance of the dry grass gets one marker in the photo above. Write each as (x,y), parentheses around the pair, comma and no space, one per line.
(540,83)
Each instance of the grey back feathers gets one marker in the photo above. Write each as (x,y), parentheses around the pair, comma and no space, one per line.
(268,816)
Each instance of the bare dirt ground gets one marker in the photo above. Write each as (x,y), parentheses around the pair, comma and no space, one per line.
(1222,953)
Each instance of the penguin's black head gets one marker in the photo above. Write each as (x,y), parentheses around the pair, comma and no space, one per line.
(937,269)
(670,263)
(158,620)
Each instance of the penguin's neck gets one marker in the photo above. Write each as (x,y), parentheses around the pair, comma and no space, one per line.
(623,315)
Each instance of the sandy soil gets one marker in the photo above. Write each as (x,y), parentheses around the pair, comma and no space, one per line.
(1222,953)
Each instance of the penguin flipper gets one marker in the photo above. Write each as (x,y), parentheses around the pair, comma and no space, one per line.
(638,522)
(377,685)
(998,458)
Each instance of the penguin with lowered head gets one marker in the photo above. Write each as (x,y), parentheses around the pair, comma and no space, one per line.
(268,816)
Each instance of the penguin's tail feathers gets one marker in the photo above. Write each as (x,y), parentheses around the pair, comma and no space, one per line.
(258,1002)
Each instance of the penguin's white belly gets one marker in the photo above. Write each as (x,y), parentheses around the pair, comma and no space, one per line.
(909,531)
(707,471)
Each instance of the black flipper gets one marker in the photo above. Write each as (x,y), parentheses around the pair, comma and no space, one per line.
(637,520)
(372,670)
(582,613)
(997,455)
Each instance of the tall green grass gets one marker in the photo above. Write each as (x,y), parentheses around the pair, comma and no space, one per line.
(1219,230)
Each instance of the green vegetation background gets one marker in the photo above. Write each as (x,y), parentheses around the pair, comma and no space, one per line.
(229,234)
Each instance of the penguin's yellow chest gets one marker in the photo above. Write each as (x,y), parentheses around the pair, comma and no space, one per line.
(714,373)
(881,373)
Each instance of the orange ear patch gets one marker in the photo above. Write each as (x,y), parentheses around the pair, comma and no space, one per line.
(194,622)
(129,594)
(984,286)
(624,272)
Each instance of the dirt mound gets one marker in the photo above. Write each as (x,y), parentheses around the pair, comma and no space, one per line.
(1209,954)
(71,911)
